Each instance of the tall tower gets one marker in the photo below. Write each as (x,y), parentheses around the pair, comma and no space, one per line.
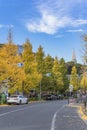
(74,57)
(9,35)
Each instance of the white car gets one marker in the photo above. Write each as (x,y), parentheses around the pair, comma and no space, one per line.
(17,99)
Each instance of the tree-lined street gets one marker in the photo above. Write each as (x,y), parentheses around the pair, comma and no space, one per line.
(43,61)
(51,115)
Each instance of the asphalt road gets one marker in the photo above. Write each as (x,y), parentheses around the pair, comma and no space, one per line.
(50,115)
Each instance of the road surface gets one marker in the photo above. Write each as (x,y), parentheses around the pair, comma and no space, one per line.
(50,115)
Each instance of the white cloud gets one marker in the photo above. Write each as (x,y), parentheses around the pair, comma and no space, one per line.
(55,15)
(46,24)
(78,30)
(79,22)
(49,23)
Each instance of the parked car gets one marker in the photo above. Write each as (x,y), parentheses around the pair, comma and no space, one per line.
(17,99)
(60,97)
(51,97)
(48,97)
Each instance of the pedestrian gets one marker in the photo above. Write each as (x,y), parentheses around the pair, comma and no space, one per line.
(84,96)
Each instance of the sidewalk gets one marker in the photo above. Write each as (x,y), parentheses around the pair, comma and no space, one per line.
(81,111)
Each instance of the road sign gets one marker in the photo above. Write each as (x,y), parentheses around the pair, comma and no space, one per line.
(70,87)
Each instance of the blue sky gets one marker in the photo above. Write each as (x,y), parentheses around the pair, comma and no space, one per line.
(57,25)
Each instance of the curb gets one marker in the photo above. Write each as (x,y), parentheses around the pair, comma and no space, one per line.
(82,114)
(36,101)
(4,105)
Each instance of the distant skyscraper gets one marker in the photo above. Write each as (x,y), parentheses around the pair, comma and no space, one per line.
(74,57)
(10,35)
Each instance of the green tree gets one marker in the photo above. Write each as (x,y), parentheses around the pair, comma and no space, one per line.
(32,77)
(84,81)
(57,76)
(47,76)
(40,66)
(74,78)
(69,66)
(40,60)
(63,71)
(48,64)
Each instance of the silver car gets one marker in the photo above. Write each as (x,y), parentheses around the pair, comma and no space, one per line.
(17,99)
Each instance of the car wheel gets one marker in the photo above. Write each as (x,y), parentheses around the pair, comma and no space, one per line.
(27,102)
(9,103)
(20,102)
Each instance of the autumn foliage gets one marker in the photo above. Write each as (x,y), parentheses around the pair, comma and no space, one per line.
(36,68)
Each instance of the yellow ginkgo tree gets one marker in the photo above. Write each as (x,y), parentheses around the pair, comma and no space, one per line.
(74,78)
(84,81)
(32,76)
(9,69)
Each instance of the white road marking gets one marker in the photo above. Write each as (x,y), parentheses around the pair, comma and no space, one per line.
(54,118)
(70,116)
(11,112)
(6,113)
